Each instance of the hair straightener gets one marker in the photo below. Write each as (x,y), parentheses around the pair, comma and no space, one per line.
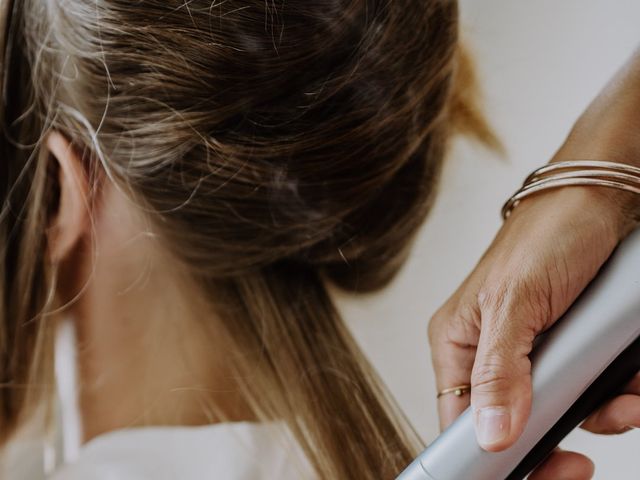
(584,359)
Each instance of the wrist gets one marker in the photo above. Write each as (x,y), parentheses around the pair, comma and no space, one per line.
(624,207)
(597,209)
(620,207)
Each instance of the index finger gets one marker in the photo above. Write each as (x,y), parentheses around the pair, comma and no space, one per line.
(452,361)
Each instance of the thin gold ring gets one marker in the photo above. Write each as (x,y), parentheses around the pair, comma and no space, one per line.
(458,391)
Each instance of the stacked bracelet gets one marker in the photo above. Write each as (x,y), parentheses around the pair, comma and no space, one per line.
(576,172)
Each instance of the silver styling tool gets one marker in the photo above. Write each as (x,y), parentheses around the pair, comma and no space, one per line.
(584,359)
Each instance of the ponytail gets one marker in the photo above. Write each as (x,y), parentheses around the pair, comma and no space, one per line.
(316,377)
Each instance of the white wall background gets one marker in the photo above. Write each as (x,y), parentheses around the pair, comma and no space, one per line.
(541,63)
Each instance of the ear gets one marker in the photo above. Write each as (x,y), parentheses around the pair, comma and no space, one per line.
(71,219)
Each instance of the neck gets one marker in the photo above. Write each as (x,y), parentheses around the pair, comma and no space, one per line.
(147,356)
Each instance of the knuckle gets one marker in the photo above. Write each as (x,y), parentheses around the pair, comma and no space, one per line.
(491,377)
(494,301)
(617,421)
(526,299)
(434,328)
(468,317)
(456,324)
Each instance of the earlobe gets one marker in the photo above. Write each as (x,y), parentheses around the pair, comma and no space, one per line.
(70,221)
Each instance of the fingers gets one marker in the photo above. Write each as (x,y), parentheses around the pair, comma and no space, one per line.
(456,372)
(634,385)
(616,416)
(501,377)
(562,465)
(453,350)
(619,414)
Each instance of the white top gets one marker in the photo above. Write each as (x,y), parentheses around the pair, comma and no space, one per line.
(225,451)
(229,451)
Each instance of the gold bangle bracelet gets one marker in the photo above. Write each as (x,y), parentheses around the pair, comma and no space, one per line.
(576,173)
(593,173)
(583,164)
(552,183)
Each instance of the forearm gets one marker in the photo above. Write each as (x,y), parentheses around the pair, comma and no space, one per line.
(610,130)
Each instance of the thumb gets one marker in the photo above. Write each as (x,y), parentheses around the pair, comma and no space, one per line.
(501,379)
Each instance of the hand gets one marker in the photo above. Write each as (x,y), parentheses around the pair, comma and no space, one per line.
(539,262)
(542,258)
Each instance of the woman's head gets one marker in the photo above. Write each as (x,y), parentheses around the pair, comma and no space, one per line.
(265,132)
(267,146)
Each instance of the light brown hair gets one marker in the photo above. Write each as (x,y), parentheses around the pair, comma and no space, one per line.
(273,147)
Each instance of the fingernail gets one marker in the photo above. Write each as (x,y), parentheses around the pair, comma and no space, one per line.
(493,424)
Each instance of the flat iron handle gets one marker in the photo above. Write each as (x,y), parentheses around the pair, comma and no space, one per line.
(609,384)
